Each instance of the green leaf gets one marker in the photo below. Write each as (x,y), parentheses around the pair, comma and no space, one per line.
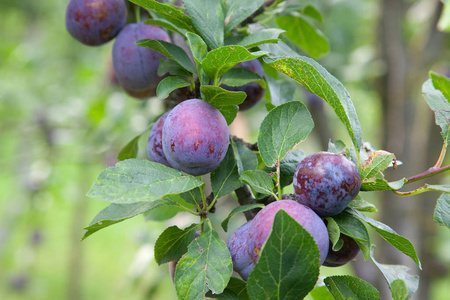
(399,290)
(363,205)
(226,295)
(378,161)
(312,12)
(264,36)
(288,266)
(392,237)
(115,213)
(199,50)
(173,243)
(245,158)
(240,77)
(225,101)
(354,228)
(282,129)
(317,80)
(169,66)
(260,181)
(208,18)
(334,233)
(193,196)
(444,21)
(130,150)
(442,210)
(218,61)
(165,24)
(304,35)
(440,106)
(239,287)
(393,272)
(280,91)
(134,180)
(235,12)
(336,147)
(170,50)
(225,178)
(239,209)
(441,83)
(379,183)
(170,84)
(438,187)
(288,166)
(168,12)
(321,293)
(206,265)
(349,287)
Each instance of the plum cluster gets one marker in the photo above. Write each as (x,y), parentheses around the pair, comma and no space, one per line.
(193,137)
(324,184)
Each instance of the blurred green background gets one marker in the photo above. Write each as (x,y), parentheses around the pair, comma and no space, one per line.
(62,121)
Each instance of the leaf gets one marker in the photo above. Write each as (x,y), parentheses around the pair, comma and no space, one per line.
(169,66)
(379,183)
(170,84)
(239,209)
(206,265)
(280,91)
(135,180)
(173,243)
(444,20)
(441,83)
(245,158)
(264,36)
(240,77)
(226,295)
(115,213)
(378,161)
(165,24)
(336,147)
(321,293)
(170,50)
(317,80)
(218,61)
(225,101)
(225,178)
(260,181)
(442,210)
(363,205)
(236,12)
(193,196)
(312,12)
(393,272)
(282,129)
(208,18)
(438,188)
(304,35)
(392,237)
(130,150)
(349,287)
(199,50)
(399,290)
(239,287)
(354,228)
(440,106)
(334,233)
(288,266)
(288,166)
(168,12)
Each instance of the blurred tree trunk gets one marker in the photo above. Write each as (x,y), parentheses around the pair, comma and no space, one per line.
(409,133)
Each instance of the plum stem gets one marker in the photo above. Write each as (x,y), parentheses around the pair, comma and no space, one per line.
(137,13)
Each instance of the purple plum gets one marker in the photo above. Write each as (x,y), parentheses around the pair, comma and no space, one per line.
(135,66)
(195,137)
(154,145)
(237,244)
(95,22)
(262,225)
(326,182)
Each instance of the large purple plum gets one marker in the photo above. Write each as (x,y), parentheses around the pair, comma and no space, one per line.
(348,252)
(262,224)
(95,22)
(135,66)
(154,145)
(237,244)
(195,137)
(326,182)
(254,91)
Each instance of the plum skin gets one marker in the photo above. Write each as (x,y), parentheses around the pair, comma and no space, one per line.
(95,22)
(348,252)
(326,182)
(136,66)
(262,224)
(195,137)
(154,145)
(237,244)
(254,91)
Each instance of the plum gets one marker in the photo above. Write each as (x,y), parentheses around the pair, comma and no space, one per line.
(135,66)
(195,137)
(262,224)
(348,252)
(95,22)
(154,145)
(326,182)
(254,91)
(237,244)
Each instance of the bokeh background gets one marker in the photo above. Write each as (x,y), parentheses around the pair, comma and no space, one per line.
(63,120)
